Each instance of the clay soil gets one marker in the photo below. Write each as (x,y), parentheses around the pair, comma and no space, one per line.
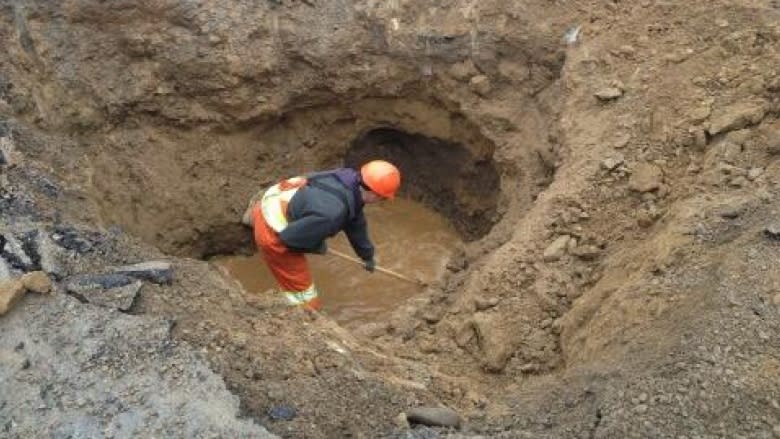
(617,194)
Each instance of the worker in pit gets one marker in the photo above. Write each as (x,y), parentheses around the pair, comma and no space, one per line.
(295,217)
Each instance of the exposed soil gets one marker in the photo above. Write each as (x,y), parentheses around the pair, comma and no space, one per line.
(617,195)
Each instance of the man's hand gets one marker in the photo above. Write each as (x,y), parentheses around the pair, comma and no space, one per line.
(369,265)
(321,249)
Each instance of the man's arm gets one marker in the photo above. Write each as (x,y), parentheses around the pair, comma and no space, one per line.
(357,233)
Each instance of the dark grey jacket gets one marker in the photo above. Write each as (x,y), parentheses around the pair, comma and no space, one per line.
(315,214)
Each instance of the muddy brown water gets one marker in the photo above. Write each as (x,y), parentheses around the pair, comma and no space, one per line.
(409,238)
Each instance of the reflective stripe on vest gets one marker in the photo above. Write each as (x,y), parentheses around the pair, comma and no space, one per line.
(276,199)
(301,297)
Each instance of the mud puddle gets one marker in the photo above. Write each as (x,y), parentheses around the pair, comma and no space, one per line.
(409,238)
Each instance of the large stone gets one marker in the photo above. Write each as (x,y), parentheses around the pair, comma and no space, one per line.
(737,116)
(557,249)
(646,177)
(11,291)
(37,282)
(159,272)
(433,417)
(495,342)
(116,291)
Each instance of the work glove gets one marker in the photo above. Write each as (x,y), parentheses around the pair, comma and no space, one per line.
(321,249)
(369,265)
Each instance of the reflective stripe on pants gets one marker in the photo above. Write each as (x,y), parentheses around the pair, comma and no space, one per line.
(290,269)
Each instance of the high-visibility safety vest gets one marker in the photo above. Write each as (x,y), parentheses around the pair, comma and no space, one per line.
(274,208)
(277,198)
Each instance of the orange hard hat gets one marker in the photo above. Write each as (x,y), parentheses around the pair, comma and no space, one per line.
(381,177)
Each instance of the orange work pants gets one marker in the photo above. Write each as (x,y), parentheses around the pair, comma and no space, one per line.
(290,268)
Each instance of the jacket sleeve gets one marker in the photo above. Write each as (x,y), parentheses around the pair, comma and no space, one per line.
(306,234)
(357,233)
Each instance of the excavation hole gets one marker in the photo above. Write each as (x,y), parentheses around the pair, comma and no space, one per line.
(449,195)
(410,239)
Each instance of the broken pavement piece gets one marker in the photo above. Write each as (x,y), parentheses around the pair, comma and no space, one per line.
(109,290)
(20,251)
(159,272)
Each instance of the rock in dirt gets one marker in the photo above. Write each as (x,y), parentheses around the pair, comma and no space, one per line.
(480,84)
(646,177)
(73,239)
(463,70)
(772,231)
(11,292)
(159,272)
(37,282)
(731,212)
(611,163)
(484,303)
(109,290)
(433,417)
(400,421)
(754,173)
(586,252)
(736,117)
(609,94)
(557,249)
(282,413)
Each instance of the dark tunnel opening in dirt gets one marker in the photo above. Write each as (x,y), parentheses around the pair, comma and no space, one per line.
(443,175)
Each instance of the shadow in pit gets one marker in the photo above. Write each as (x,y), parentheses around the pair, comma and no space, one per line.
(447,177)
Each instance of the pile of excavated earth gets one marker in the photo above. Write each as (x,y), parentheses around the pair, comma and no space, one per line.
(612,167)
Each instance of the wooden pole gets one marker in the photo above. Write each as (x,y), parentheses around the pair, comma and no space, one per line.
(378,268)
